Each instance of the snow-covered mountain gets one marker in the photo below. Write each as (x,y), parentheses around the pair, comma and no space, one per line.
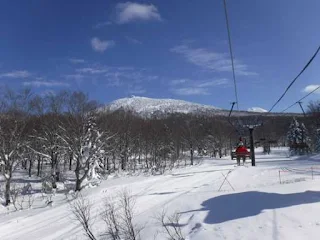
(151,106)
(257,109)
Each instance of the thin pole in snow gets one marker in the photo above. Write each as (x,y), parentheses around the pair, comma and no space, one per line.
(280,176)
(226,180)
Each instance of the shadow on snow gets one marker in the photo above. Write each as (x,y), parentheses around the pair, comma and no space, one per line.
(247,204)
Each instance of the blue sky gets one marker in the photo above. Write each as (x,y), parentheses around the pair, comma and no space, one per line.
(162,49)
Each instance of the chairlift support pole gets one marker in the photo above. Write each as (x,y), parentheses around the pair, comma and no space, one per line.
(253,158)
(252,154)
(233,103)
(300,103)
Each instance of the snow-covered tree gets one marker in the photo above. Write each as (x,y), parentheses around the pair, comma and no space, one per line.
(298,136)
(82,137)
(13,128)
(46,140)
(317,143)
(84,140)
(294,133)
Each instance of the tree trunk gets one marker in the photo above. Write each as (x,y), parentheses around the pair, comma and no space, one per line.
(77,172)
(114,161)
(7,191)
(39,165)
(191,154)
(146,156)
(79,179)
(70,161)
(78,185)
(42,160)
(30,167)
(108,164)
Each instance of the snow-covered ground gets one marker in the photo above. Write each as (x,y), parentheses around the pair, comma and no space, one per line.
(252,204)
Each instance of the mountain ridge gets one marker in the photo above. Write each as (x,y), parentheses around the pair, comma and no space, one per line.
(148,107)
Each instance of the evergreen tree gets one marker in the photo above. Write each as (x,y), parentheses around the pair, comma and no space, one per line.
(298,137)
(293,135)
(317,145)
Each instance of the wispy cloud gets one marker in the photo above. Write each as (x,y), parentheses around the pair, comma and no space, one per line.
(16,74)
(190,91)
(100,45)
(311,88)
(214,61)
(113,76)
(129,11)
(93,70)
(213,83)
(137,90)
(76,60)
(178,81)
(133,40)
(102,24)
(46,84)
(193,87)
(74,76)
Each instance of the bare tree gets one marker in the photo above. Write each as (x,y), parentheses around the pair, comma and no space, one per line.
(45,139)
(119,218)
(81,209)
(111,218)
(13,128)
(171,225)
(130,231)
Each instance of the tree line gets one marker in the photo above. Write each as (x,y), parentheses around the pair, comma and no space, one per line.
(48,135)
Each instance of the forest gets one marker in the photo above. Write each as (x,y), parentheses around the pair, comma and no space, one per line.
(67,132)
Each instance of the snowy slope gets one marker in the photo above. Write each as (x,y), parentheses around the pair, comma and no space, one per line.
(252,205)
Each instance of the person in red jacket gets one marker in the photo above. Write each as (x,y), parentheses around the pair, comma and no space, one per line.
(241,152)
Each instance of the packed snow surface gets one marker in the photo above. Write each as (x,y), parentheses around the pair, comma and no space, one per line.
(277,199)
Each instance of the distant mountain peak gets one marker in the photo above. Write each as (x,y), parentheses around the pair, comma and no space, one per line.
(149,106)
(257,109)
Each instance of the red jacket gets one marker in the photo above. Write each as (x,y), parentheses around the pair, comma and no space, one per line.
(242,150)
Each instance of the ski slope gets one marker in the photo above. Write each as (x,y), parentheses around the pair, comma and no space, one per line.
(252,204)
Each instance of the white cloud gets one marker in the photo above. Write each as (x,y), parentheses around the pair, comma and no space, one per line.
(102,24)
(219,62)
(100,45)
(179,81)
(194,87)
(16,74)
(213,83)
(46,84)
(129,11)
(190,91)
(202,84)
(256,109)
(76,60)
(133,40)
(93,70)
(311,88)
(137,90)
(74,76)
